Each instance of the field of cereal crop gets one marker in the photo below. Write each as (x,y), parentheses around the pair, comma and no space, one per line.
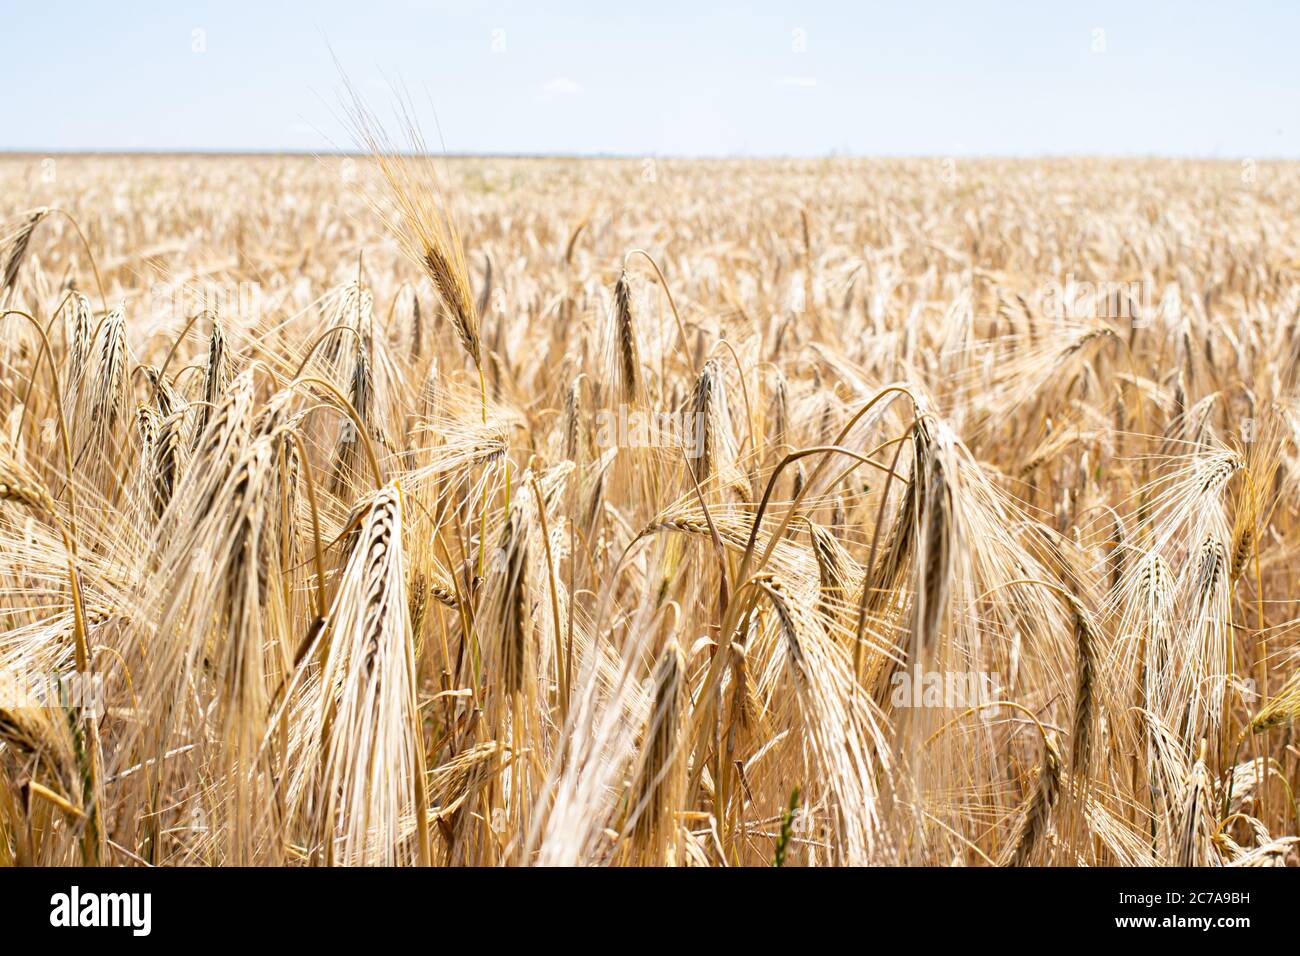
(384,510)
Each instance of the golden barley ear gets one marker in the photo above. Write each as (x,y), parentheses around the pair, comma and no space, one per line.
(1086,644)
(19,485)
(39,743)
(423,224)
(216,379)
(660,773)
(371,747)
(105,404)
(1035,822)
(629,353)
(1195,821)
(839,576)
(18,251)
(1282,708)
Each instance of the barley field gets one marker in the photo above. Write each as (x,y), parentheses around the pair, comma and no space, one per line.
(392,510)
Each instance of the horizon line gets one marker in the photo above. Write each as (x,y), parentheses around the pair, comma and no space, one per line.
(10,152)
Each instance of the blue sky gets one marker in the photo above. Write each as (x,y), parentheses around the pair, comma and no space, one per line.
(663,78)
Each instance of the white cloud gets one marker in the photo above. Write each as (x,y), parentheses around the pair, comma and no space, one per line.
(562,86)
(804,81)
